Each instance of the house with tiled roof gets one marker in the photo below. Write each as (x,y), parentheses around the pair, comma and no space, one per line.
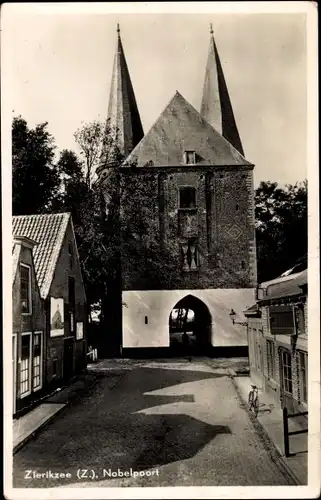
(278,340)
(49,306)
(200,186)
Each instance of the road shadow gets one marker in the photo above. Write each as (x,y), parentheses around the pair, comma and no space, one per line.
(109,429)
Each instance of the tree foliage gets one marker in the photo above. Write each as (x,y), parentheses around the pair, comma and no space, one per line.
(281,227)
(116,219)
(35,180)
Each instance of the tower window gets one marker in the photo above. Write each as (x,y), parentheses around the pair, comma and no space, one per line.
(187,197)
(189,158)
(243,264)
(236,207)
(146,320)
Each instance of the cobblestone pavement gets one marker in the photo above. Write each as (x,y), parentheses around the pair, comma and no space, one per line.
(161,423)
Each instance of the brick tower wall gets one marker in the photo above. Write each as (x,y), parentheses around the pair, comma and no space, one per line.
(223,223)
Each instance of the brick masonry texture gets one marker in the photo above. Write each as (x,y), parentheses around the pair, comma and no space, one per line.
(294,345)
(224,222)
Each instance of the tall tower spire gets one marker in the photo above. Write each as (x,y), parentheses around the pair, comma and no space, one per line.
(122,109)
(216,105)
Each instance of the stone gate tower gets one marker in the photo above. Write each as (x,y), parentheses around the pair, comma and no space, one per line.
(203,186)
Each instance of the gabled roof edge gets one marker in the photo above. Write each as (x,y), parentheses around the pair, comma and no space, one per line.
(62,232)
(77,256)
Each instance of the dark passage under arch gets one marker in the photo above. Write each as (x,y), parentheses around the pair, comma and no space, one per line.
(190,316)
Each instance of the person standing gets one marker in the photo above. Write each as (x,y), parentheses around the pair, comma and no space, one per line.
(186,345)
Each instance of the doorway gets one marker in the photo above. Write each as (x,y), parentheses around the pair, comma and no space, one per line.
(190,327)
(68,368)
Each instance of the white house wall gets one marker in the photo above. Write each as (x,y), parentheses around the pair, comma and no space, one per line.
(156,305)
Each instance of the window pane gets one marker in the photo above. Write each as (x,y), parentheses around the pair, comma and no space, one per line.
(187,197)
(24,289)
(24,273)
(25,347)
(25,364)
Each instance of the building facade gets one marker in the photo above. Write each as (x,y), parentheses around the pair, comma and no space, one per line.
(28,339)
(278,341)
(58,306)
(200,186)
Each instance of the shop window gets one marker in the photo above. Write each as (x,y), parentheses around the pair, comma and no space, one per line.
(25,289)
(25,365)
(187,197)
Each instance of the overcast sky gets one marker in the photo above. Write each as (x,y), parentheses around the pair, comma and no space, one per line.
(61,68)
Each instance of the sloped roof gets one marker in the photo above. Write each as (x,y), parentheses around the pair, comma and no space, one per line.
(252,311)
(122,109)
(15,259)
(289,288)
(216,105)
(48,230)
(181,128)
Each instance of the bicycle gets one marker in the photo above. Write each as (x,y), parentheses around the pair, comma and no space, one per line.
(253,400)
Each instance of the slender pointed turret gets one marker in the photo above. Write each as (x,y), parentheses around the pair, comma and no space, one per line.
(122,110)
(216,105)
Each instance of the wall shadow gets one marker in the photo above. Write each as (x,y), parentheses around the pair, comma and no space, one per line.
(105,431)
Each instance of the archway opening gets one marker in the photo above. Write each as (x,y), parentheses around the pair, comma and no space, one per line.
(190,327)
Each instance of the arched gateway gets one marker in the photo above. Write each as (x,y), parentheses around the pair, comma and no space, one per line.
(199,187)
(190,316)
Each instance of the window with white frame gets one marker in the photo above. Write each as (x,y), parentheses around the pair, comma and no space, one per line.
(286,371)
(25,289)
(25,365)
(270,350)
(37,361)
(303,367)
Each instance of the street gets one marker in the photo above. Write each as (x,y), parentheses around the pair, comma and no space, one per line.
(152,423)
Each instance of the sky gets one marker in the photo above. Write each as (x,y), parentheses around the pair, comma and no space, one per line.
(60,72)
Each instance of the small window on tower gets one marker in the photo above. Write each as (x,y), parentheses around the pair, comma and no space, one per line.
(187,197)
(189,157)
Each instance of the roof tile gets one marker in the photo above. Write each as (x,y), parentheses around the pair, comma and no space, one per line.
(181,128)
(48,230)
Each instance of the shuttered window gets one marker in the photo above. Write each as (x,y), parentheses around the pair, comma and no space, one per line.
(281,320)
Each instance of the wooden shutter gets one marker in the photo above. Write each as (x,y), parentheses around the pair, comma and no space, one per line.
(282,320)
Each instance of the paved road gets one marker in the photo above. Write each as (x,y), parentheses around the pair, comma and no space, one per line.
(166,423)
